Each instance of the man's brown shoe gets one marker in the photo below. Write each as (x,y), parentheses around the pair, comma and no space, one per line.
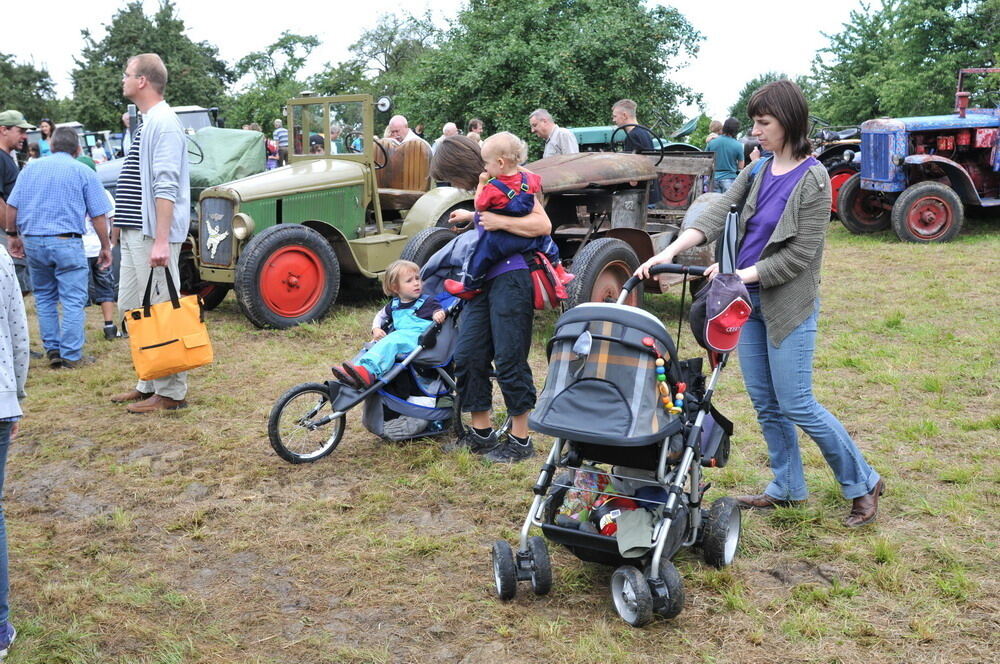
(865,507)
(762,501)
(131,395)
(156,402)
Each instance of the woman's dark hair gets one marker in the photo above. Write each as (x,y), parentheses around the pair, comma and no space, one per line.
(52,127)
(457,160)
(785,101)
(730,127)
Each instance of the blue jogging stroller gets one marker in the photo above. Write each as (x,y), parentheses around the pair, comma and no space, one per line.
(622,484)
(416,398)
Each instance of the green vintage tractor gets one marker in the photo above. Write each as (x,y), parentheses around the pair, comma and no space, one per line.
(346,204)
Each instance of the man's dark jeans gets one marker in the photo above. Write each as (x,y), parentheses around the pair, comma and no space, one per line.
(496,327)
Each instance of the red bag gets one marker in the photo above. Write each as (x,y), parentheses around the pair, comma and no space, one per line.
(548,290)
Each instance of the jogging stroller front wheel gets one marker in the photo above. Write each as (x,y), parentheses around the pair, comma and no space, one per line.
(631,595)
(504,570)
(722,533)
(302,427)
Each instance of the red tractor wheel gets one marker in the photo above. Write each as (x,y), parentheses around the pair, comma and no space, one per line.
(860,210)
(927,212)
(287,275)
(676,189)
(840,172)
(602,267)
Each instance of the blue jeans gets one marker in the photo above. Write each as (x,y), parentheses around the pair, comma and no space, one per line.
(60,275)
(5,429)
(779,381)
(722,186)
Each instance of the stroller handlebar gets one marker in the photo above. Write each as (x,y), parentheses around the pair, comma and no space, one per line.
(662,268)
(429,337)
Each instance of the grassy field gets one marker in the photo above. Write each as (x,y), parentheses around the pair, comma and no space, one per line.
(182,537)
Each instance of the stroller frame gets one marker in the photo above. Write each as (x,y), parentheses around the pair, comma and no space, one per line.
(326,404)
(636,595)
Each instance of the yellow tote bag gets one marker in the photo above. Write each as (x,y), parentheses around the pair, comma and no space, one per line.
(168,337)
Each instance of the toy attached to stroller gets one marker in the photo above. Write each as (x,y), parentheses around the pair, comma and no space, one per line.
(416,398)
(633,426)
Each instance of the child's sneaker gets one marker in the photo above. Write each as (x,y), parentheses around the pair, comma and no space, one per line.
(362,378)
(511,451)
(473,442)
(7,634)
(342,376)
(564,276)
(458,289)
(110,332)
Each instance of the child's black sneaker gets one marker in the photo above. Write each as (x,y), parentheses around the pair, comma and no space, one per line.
(473,442)
(511,451)
(110,332)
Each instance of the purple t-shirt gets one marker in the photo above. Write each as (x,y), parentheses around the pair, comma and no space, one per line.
(771,199)
(508,264)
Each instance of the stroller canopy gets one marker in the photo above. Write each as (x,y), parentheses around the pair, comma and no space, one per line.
(601,384)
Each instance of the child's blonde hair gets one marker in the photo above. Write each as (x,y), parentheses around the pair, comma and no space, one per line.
(507,146)
(390,280)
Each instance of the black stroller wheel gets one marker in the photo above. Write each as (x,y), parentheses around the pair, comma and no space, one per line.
(541,566)
(630,593)
(504,571)
(673,603)
(722,533)
(300,427)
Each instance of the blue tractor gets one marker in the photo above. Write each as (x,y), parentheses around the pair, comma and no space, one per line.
(918,174)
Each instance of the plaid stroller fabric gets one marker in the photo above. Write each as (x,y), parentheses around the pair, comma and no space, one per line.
(601,384)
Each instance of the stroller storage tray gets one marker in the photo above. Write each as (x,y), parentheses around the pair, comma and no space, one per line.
(591,547)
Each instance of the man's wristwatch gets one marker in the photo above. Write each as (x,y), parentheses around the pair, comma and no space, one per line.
(10,233)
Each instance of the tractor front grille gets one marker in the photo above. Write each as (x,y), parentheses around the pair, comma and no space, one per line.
(215,232)
(876,157)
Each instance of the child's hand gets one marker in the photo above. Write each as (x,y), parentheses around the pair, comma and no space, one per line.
(377,333)
(460,219)
(439,316)
(484,177)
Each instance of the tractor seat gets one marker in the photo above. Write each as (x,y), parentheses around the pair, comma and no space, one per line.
(406,175)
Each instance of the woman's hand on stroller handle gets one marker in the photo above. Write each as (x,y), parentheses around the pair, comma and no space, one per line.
(663,268)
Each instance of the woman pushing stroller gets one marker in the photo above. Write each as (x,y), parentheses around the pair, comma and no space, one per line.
(784,214)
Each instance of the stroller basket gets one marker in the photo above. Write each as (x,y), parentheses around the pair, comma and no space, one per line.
(601,383)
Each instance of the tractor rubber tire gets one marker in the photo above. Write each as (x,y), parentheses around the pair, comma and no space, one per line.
(928,212)
(286,275)
(601,268)
(425,244)
(856,209)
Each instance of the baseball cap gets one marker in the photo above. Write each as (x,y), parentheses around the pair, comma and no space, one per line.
(11,118)
(718,317)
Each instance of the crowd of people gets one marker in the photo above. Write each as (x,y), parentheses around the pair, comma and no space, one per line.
(50,207)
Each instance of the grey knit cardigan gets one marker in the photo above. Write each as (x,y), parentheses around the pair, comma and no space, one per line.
(789,265)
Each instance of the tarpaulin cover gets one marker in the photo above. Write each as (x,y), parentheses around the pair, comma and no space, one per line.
(229,154)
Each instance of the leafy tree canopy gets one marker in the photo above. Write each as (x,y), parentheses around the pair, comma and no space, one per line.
(196,74)
(27,89)
(274,73)
(902,59)
(501,59)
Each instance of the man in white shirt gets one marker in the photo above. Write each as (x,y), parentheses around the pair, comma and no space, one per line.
(558,140)
(399,130)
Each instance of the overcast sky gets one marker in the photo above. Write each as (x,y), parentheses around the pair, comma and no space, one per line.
(742,39)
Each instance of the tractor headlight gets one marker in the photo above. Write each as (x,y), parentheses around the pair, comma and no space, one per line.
(242,226)
(897,159)
(848,156)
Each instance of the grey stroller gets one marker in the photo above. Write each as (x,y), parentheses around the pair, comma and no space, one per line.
(622,485)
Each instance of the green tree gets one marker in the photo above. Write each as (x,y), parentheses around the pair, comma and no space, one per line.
(501,59)
(274,80)
(196,74)
(26,88)
(739,109)
(902,58)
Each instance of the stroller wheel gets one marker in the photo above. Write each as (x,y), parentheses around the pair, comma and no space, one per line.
(722,533)
(504,572)
(673,603)
(541,567)
(631,596)
(300,427)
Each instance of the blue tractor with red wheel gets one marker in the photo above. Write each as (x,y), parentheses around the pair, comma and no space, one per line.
(918,174)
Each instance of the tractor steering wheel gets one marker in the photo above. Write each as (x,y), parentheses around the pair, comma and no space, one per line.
(624,128)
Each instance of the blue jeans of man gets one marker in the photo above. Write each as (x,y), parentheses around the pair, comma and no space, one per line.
(60,275)
(5,429)
(779,381)
(722,186)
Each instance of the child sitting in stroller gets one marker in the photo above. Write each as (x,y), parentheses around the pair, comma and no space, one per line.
(396,327)
(506,189)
